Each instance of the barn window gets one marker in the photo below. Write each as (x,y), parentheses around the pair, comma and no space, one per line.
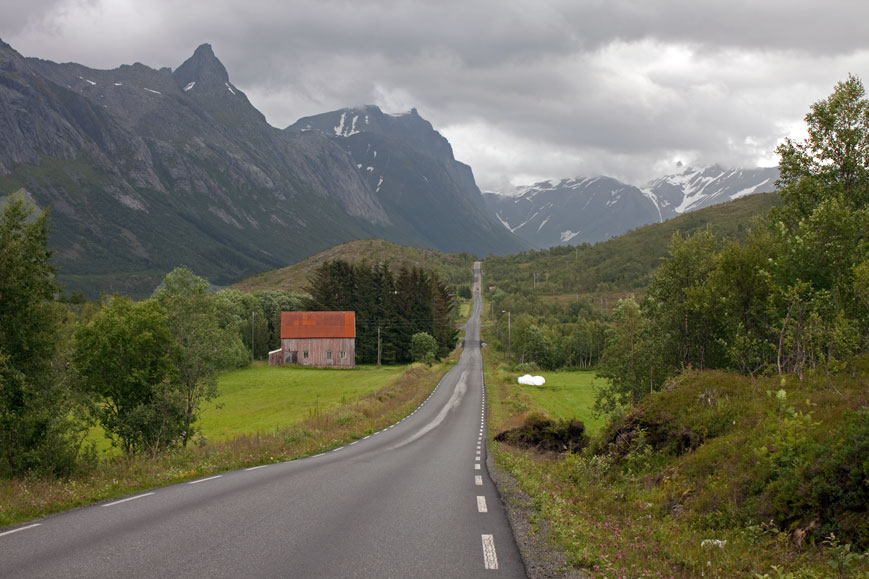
(343,354)
(305,355)
(329,354)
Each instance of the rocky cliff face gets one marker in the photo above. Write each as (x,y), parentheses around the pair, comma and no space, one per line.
(415,176)
(148,169)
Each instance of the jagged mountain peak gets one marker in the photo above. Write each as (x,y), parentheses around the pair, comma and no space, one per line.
(350,121)
(409,127)
(203,70)
(696,187)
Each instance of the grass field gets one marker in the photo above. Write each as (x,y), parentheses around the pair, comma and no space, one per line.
(568,395)
(262,398)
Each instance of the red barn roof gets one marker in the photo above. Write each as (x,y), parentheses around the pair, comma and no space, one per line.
(318,324)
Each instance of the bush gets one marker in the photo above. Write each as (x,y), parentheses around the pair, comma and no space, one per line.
(822,485)
(545,434)
(424,348)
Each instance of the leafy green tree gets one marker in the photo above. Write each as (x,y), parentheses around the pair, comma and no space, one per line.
(676,303)
(124,358)
(834,159)
(424,348)
(632,359)
(203,347)
(822,231)
(741,293)
(36,430)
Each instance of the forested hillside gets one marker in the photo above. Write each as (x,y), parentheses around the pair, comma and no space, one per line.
(454,269)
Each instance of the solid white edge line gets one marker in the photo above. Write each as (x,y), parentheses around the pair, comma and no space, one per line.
(478,480)
(481,505)
(490,557)
(196,482)
(128,499)
(20,529)
(257,467)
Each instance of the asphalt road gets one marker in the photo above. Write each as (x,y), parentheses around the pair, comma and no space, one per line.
(414,500)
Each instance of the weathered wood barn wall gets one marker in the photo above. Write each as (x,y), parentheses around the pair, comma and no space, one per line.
(321,339)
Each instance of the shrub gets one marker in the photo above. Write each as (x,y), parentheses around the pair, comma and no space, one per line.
(545,434)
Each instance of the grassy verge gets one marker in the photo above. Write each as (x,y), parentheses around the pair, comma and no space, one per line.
(312,431)
(712,478)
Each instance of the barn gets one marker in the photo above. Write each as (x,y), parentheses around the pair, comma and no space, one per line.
(321,339)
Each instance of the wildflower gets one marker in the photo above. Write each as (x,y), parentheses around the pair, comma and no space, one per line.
(713,543)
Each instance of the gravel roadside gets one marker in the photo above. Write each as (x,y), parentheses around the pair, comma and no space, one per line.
(542,559)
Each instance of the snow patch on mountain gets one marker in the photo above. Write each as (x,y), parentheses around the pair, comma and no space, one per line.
(749,190)
(568,235)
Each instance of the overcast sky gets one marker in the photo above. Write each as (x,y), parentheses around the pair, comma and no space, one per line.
(524,90)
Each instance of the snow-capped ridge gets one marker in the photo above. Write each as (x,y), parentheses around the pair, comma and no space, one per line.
(592,209)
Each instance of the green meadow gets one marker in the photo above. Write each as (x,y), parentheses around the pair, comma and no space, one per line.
(263,398)
(567,395)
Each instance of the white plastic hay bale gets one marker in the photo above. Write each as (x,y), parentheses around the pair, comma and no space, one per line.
(530,380)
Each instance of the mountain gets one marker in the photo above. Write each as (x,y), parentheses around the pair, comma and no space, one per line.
(589,210)
(694,189)
(415,177)
(147,169)
(573,211)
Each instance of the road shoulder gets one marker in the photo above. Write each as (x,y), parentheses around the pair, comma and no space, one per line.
(542,559)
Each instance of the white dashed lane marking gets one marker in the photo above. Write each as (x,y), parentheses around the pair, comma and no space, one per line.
(196,482)
(481,505)
(23,528)
(478,480)
(490,558)
(127,499)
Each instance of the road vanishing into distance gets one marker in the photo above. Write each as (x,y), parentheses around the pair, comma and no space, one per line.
(411,501)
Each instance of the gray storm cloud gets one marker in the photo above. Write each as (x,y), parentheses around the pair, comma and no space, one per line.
(523,89)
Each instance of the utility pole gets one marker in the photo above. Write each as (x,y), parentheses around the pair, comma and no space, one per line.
(378,345)
(509,337)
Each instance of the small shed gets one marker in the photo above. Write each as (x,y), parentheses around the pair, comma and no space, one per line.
(321,339)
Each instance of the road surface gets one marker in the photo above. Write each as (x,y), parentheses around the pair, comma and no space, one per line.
(414,500)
